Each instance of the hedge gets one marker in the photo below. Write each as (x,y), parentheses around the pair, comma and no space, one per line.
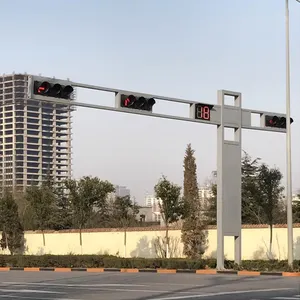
(108,261)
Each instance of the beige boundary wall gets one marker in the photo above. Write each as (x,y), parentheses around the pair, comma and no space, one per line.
(140,242)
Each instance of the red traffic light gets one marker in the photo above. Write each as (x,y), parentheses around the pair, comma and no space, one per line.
(129,101)
(43,88)
(275,121)
(56,90)
(134,102)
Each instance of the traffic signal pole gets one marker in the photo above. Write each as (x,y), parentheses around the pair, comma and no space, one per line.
(228,151)
(289,195)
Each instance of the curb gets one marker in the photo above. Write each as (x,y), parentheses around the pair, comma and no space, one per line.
(158,271)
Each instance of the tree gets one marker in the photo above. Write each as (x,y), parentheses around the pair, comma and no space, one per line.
(42,203)
(171,206)
(124,212)
(211,213)
(296,211)
(269,194)
(10,225)
(194,236)
(251,211)
(85,195)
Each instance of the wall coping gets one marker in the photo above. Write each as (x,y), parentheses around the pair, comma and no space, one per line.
(152,228)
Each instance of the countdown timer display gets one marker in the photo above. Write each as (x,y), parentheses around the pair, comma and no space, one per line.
(203,111)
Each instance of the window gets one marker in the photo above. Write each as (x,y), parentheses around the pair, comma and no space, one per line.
(31,152)
(19,170)
(32,140)
(19,138)
(20,151)
(19,131)
(19,106)
(46,142)
(19,119)
(8,140)
(8,132)
(20,89)
(19,77)
(31,126)
(32,165)
(19,145)
(8,91)
(8,114)
(8,126)
(31,132)
(32,115)
(8,152)
(19,125)
(32,108)
(33,146)
(33,102)
(32,158)
(32,171)
(19,113)
(34,121)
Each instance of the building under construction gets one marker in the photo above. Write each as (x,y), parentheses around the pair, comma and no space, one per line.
(35,136)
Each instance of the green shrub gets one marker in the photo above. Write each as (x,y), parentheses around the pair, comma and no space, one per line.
(110,261)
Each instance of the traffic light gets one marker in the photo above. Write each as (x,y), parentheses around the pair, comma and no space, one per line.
(275,121)
(56,90)
(142,103)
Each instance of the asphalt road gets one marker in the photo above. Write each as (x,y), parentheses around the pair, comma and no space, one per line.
(144,286)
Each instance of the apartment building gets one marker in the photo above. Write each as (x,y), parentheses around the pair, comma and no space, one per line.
(35,137)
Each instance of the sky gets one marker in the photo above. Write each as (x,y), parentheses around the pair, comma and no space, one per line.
(186,49)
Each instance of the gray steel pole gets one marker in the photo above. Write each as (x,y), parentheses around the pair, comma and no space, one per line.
(288,142)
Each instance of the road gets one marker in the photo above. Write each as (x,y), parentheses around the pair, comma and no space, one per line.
(144,286)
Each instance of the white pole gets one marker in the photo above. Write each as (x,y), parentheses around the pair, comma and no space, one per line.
(288,142)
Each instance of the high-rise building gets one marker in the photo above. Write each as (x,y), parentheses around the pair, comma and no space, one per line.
(122,191)
(35,136)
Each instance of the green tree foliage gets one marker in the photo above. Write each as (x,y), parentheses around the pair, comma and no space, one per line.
(124,212)
(252,212)
(296,211)
(10,225)
(171,205)
(211,213)
(269,194)
(86,195)
(42,205)
(194,235)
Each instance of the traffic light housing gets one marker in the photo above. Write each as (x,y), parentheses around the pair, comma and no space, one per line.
(133,102)
(56,90)
(275,121)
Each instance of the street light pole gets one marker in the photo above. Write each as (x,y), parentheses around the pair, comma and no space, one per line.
(288,140)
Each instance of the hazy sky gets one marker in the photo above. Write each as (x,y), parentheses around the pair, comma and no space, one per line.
(187,49)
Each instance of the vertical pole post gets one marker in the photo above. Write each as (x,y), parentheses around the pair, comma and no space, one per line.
(288,142)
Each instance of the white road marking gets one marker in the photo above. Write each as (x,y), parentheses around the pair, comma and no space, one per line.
(221,293)
(286,298)
(30,297)
(30,291)
(71,285)
(148,291)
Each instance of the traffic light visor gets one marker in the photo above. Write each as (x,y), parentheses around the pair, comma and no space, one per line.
(67,91)
(56,89)
(151,102)
(43,88)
